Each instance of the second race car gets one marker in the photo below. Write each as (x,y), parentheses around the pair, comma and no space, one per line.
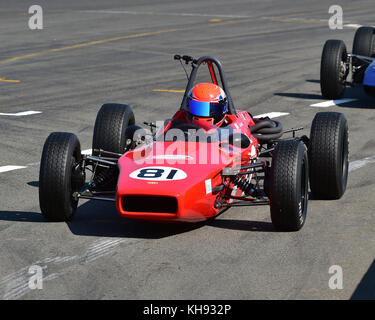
(340,69)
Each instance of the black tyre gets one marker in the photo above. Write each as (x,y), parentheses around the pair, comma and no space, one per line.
(110,125)
(288,186)
(329,155)
(58,176)
(333,69)
(109,135)
(364,41)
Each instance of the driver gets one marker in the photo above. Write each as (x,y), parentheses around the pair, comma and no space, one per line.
(207,105)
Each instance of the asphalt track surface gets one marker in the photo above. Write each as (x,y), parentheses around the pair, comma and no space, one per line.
(93,52)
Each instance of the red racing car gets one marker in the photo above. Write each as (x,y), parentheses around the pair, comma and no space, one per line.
(206,158)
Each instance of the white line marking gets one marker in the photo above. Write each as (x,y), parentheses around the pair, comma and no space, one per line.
(330,103)
(272,115)
(10,168)
(20,114)
(354,165)
(353,25)
(87,151)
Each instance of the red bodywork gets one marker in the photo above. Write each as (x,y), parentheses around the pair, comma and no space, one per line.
(187,198)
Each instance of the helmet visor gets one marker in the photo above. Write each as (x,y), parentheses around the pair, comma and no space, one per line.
(207,109)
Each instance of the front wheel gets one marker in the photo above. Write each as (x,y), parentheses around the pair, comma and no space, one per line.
(333,69)
(111,123)
(60,176)
(364,42)
(288,185)
(363,45)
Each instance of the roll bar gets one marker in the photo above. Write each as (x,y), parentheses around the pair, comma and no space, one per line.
(195,64)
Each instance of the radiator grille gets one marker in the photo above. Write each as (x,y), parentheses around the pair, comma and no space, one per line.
(155,204)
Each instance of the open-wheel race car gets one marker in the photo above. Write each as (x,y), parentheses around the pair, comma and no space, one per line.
(340,69)
(192,170)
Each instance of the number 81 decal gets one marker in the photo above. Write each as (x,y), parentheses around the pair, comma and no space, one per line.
(158,173)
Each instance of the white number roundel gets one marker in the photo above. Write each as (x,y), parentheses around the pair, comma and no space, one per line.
(158,174)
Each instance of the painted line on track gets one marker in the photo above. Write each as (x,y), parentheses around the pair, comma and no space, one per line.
(10,168)
(124,37)
(87,152)
(88,44)
(20,114)
(330,103)
(357,164)
(8,80)
(228,16)
(238,19)
(352,25)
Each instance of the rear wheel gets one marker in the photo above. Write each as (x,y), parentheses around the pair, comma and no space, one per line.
(333,69)
(288,185)
(60,176)
(329,155)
